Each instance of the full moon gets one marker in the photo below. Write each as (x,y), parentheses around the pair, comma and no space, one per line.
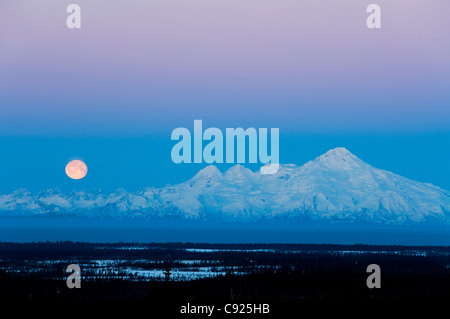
(76,169)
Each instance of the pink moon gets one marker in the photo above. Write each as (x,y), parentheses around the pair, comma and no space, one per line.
(76,169)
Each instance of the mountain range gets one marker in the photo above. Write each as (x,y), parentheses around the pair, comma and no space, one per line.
(335,187)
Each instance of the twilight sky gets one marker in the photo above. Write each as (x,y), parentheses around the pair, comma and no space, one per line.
(111,92)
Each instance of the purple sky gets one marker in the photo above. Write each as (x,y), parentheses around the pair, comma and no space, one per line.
(150,66)
(111,92)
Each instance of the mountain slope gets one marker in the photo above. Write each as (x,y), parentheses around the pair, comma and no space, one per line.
(336,186)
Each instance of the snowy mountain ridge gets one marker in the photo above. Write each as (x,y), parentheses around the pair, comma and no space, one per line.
(335,187)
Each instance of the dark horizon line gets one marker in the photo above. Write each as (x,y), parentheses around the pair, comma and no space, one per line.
(206,245)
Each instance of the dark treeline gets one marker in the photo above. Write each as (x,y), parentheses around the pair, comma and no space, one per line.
(270,272)
(68,248)
(302,256)
(244,246)
(334,282)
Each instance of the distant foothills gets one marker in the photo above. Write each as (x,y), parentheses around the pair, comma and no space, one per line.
(335,187)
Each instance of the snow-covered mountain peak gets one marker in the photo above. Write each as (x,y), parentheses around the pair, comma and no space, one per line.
(336,186)
(339,152)
(238,172)
(120,191)
(209,172)
(50,192)
(205,178)
(339,159)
